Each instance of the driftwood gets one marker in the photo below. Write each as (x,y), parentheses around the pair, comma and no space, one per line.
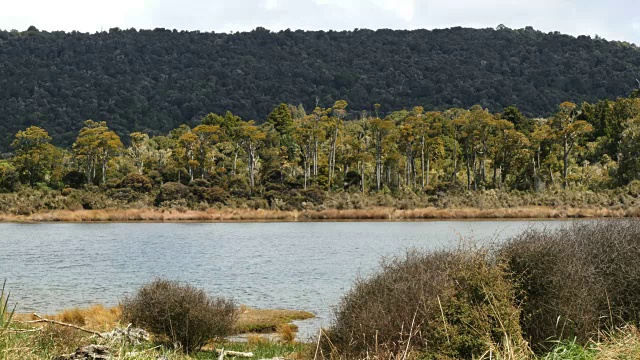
(128,334)
(222,353)
(43,320)
(97,352)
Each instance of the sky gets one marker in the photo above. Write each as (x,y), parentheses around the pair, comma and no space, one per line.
(611,19)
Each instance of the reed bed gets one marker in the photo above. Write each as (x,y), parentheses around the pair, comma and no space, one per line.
(376,213)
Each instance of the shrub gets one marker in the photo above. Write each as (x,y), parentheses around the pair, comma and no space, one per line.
(214,194)
(576,280)
(137,182)
(446,304)
(200,183)
(210,195)
(179,313)
(314,194)
(173,191)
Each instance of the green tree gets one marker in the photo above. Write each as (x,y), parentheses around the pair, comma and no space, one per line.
(251,137)
(281,120)
(139,149)
(8,177)
(569,131)
(380,129)
(94,147)
(35,157)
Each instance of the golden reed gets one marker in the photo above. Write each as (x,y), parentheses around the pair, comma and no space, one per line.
(378,213)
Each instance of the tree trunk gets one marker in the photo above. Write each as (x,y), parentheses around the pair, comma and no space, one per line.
(251,166)
(378,163)
(235,162)
(565,163)
(422,162)
(468,171)
(315,156)
(362,176)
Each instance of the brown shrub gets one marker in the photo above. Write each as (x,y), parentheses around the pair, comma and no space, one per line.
(180,314)
(576,280)
(445,304)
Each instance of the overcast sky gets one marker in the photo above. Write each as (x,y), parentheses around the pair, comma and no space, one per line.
(611,19)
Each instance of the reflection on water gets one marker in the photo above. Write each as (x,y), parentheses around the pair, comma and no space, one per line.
(296,265)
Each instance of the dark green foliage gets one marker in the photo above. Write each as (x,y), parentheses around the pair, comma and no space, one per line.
(9,179)
(520,122)
(173,191)
(157,79)
(455,304)
(281,120)
(180,314)
(577,280)
(314,194)
(211,195)
(137,182)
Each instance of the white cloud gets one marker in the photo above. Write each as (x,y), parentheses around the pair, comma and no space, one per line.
(613,19)
(403,8)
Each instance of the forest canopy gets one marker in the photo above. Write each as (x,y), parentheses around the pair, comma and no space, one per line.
(152,81)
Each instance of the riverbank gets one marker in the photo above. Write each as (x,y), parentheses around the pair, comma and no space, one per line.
(376,213)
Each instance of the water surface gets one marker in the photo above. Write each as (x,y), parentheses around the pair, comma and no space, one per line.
(295,265)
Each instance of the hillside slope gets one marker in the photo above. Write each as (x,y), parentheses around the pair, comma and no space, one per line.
(153,80)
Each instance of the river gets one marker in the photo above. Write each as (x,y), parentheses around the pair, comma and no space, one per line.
(291,265)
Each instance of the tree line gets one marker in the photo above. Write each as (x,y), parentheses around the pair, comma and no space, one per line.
(592,146)
(154,80)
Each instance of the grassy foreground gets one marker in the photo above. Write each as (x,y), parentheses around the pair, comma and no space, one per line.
(376,213)
(21,342)
(24,340)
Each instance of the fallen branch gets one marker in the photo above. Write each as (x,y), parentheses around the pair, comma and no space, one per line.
(222,352)
(41,320)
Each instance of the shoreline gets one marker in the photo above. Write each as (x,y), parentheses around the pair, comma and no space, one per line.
(373,214)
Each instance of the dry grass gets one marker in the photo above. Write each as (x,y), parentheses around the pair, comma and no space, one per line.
(376,213)
(101,318)
(95,317)
(124,215)
(622,344)
(287,333)
(260,321)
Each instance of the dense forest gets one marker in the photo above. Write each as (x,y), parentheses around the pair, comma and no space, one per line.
(297,158)
(154,80)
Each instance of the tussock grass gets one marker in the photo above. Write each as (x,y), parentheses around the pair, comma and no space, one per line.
(95,317)
(286,333)
(267,320)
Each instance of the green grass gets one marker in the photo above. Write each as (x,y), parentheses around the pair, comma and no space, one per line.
(570,350)
(6,314)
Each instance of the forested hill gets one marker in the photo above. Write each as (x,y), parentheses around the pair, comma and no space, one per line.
(154,80)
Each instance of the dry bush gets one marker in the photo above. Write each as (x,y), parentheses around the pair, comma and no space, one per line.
(576,280)
(183,315)
(444,304)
